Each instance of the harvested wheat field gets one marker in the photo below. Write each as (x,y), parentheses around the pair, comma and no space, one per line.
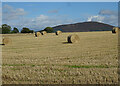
(49,59)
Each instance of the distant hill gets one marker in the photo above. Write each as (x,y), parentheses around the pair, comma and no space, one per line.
(84,27)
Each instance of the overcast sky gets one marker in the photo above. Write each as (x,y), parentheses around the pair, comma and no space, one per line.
(38,15)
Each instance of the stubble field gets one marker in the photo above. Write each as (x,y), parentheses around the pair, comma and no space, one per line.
(49,59)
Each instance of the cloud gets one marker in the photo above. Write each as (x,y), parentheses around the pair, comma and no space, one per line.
(108,12)
(105,16)
(40,22)
(0,16)
(9,13)
(16,17)
(41,18)
(96,18)
(53,11)
(43,21)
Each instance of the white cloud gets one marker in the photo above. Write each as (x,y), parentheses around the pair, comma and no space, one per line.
(43,21)
(108,12)
(105,16)
(41,18)
(53,11)
(0,16)
(9,13)
(16,18)
(96,18)
(40,22)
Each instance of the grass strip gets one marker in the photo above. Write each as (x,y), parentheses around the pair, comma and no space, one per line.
(32,65)
(13,65)
(90,66)
(70,66)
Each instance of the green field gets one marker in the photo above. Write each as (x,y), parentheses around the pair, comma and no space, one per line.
(49,59)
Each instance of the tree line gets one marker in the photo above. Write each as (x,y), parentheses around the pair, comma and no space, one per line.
(6,29)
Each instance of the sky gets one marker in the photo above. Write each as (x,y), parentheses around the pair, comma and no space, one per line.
(38,15)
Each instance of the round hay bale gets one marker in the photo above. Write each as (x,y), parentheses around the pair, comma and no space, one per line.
(73,38)
(6,41)
(37,34)
(115,30)
(58,32)
(43,32)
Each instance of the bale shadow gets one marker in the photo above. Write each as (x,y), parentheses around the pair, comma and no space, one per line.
(2,44)
(66,43)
